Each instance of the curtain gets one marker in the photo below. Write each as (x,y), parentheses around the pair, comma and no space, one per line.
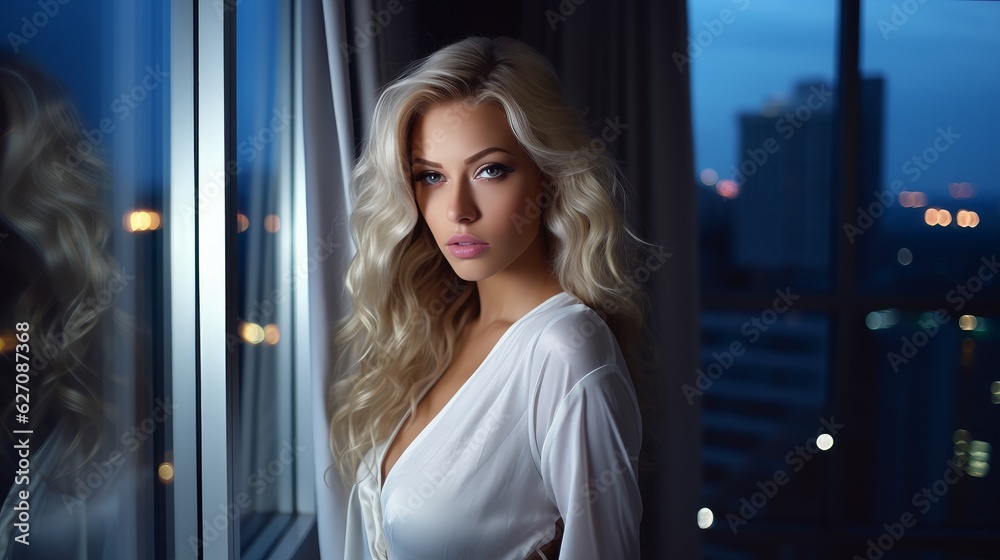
(329,140)
(615,59)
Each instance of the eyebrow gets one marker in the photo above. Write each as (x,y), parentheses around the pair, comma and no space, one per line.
(468,160)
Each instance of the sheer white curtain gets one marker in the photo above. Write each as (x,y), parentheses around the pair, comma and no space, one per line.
(341,49)
(329,141)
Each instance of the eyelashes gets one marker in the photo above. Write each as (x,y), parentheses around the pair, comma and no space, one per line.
(496,172)
(502,171)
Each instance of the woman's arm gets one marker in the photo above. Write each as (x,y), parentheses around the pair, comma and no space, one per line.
(588,460)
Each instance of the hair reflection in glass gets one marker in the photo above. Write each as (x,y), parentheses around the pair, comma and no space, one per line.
(52,197)
(408,304)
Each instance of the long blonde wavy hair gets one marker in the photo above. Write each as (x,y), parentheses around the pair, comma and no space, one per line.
(408,305)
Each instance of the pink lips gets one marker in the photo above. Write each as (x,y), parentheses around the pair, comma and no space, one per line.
(466,246)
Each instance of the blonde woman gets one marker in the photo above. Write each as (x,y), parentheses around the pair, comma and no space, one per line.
(481,403)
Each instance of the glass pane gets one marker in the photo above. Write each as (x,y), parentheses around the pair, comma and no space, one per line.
(933,218)
(763,386)
(929,243)
(937,397)
(83,101)
(762,96)
(264,465)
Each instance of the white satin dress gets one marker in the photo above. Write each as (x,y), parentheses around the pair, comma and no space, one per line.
(548,426)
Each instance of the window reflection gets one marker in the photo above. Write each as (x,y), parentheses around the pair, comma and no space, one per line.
(81,233)
(266,448)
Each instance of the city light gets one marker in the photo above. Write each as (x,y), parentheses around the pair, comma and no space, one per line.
(967,322)
(937,217)
(904,256)
(824,442)
(979,458)
(705,518)
(272,223)
(242,222)
(252,333)
(961,190)
(727,188)
(967,219)
(709,177)
(165,473)
(271,334)
(912,199)
(881,319)
(141,220)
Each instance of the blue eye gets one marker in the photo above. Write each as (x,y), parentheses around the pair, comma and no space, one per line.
(493,171)
(426,177)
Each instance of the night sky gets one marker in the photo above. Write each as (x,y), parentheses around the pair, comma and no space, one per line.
(940,63)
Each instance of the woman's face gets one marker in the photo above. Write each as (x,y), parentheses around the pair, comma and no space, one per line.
(471,177)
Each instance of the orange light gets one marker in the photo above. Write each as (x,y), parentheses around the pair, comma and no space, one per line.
(242,222)
(154,220)
(943,217)
(906,199)
(252,333)
(931,216)
(272,223)
(166,473)
(271,334)
(961,190)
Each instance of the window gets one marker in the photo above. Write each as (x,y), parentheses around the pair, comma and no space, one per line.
(848,332)
(197,363)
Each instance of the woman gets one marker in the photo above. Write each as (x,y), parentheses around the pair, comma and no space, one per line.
(481,404)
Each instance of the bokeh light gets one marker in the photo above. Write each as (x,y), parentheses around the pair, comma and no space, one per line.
(727,188)
(709,177)
(272,223)
(705,518)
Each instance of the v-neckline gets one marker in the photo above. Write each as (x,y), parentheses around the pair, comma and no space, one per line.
(385,449)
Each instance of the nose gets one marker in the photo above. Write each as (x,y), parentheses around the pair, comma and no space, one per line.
(462,204)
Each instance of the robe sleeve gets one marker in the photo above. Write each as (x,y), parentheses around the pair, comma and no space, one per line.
(587,433)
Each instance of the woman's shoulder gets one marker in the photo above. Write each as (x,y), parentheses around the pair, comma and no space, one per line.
(572,334)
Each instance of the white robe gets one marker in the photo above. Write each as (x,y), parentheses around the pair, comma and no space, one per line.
(548,426)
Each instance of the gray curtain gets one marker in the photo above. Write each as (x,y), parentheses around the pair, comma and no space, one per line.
(614,59)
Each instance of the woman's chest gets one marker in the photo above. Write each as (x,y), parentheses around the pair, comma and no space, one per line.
(467,485)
